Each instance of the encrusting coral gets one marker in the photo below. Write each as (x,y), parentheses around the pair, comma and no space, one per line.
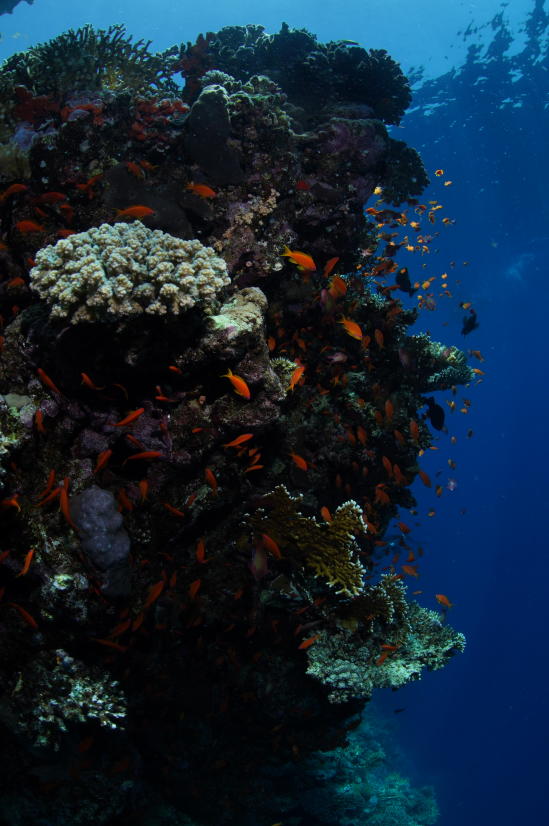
(126,270)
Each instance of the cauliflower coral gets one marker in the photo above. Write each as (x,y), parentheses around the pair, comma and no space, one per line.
(126,270)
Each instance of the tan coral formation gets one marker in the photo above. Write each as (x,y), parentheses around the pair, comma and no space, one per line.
(127,270)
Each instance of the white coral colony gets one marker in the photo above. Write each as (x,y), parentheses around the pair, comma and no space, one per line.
(126,270)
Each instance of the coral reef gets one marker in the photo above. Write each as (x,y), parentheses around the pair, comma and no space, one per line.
(212,408)
(126,270)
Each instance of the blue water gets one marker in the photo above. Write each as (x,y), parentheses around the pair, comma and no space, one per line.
(477,730)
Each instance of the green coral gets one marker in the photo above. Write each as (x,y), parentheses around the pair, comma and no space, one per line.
(328,548)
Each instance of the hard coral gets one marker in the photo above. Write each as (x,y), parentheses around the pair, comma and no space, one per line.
(350,668)
(329,548)
(88,59)
(126,270)
(309,71)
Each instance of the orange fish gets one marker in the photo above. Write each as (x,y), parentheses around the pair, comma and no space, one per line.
(14,189)
(378,335)
(111,644)
(201,550)
(239,385)
(64,502)
(301,259)
(306,643)
(49,484)
(424,478)
(25,227)
(124,502)
(51,197)
(39,421)
(387,465)
(102,460)
(210,479)
(439,172)
(271,344)
(135,169)
(11,502)
(443,600)
(403,527)
(45,379)
(299,461)
(119,629)
(172,510)
(143,489)
(296,375)
(351,327)
(362,436)
(137,211)
(202,190)
(328,267)
(381,659)
(194,587)
(154,592)
(16,282)
(389,410)
(381,497)
(239,440)
(338,287)
(325,514)
(414,430)
(411,570)
(270,545)
(25,614)
(89,383)
(26,565)
(131,417)
(145,454)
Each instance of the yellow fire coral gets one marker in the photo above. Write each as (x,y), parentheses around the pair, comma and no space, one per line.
(329,548)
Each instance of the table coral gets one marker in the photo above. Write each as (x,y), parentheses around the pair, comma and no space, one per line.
(126,270)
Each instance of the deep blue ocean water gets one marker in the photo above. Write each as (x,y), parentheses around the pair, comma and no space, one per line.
(477,730)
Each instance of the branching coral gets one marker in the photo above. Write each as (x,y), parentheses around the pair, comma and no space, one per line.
(126,270)
(329,548)
(86,59)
